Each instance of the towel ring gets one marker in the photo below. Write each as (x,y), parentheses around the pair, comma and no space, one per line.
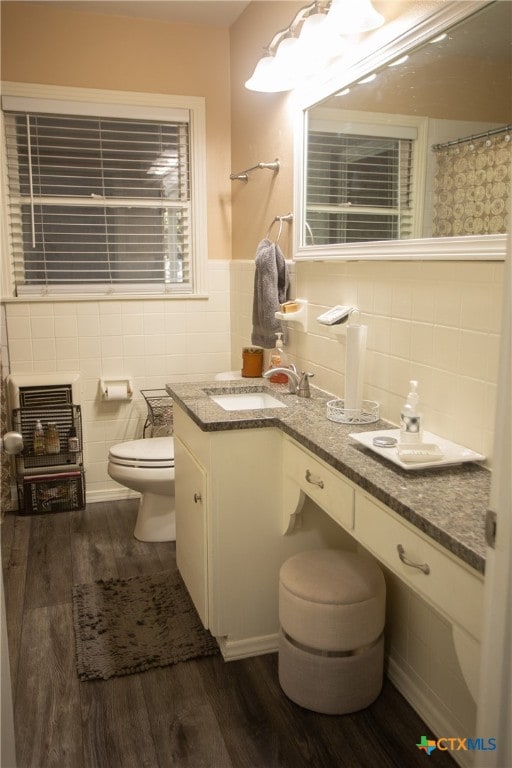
(279,231)
(280,219)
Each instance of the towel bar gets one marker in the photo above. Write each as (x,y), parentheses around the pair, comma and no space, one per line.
(243,175)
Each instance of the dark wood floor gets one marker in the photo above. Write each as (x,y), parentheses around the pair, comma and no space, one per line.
(199,714)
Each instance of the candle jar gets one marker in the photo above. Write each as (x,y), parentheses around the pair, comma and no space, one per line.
(252,358)
(51,438)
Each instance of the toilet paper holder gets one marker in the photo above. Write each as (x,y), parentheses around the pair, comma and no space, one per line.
(116,389)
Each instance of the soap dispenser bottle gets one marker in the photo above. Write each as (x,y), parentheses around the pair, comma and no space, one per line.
(411,427)
(38,440)
(278,359)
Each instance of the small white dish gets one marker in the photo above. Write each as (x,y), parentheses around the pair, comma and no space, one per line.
(452,452)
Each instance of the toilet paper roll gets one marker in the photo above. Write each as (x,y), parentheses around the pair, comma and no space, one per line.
(117,392)
(354,366)
(13,443)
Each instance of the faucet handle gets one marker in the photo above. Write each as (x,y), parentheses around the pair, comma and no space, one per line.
(303,386)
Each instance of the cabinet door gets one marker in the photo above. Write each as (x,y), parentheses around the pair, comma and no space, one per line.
(191,528)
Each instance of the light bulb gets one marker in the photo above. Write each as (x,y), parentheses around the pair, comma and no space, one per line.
(318,40)
(287,52)
(269,77)
(354,16)
(290,64)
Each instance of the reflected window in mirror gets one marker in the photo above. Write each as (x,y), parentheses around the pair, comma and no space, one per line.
(363,174)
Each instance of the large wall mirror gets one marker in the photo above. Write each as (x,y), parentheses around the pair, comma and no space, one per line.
(411,150)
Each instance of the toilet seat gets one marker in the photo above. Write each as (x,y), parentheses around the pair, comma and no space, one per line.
(153,453)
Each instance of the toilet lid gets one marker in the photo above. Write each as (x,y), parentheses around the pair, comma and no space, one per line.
(152,452)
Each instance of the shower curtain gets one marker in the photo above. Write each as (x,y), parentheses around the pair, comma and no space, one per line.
(472,186)
(495,692)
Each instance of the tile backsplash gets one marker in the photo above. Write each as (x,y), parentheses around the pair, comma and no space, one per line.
(437,322)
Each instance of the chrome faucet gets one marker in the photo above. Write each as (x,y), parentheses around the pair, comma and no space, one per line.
(297,385)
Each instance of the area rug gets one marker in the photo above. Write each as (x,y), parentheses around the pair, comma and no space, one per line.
(124,626)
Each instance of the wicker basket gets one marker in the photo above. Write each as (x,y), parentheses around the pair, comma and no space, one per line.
(367,414)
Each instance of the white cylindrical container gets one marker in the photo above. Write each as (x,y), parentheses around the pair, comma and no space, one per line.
(354,367)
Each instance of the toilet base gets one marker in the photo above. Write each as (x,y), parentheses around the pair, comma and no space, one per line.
(156,518)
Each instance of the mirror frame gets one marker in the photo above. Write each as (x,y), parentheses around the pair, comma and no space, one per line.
(463,248)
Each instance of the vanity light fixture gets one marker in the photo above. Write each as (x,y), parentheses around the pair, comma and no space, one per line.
(315,35)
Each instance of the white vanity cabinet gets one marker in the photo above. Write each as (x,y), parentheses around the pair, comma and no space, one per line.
(229,539)
(249,498)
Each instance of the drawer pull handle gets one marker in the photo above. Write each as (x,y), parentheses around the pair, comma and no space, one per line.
(421,566)
(310,479)
(197,498)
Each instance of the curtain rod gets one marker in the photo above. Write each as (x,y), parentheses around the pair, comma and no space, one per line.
(476,136)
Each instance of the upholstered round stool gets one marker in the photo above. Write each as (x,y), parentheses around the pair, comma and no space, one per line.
(331,646)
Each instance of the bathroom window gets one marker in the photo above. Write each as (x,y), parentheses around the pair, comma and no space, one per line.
(361,181)
(104,198)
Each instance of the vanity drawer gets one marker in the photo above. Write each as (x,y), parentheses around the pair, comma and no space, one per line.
(321,483)
(449,585)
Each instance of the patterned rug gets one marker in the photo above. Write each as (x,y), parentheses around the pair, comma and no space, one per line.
(124,626)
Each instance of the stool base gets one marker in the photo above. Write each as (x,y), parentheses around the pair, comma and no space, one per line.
(332,685)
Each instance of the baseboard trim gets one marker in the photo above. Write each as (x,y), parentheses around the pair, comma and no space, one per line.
(251,646)
(111,495)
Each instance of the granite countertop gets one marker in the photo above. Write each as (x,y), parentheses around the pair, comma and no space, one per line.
(447,503)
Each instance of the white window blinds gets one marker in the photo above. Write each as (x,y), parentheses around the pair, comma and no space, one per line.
(99,204)
(360,187)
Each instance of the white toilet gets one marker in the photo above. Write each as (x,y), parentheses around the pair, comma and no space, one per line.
(228,376)
(147,466)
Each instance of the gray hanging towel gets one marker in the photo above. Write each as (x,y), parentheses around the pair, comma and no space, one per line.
(271,287)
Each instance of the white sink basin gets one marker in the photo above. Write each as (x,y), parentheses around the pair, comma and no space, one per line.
(247,401)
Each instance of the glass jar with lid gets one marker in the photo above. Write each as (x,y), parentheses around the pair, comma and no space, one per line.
(52,438)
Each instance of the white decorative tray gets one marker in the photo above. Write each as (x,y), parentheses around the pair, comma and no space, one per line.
(452,453)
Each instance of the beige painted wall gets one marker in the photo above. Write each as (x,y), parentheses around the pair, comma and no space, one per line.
(261,132)
(58,46)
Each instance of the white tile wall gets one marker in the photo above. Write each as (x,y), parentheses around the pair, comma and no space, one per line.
(438,322)
(151,341)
